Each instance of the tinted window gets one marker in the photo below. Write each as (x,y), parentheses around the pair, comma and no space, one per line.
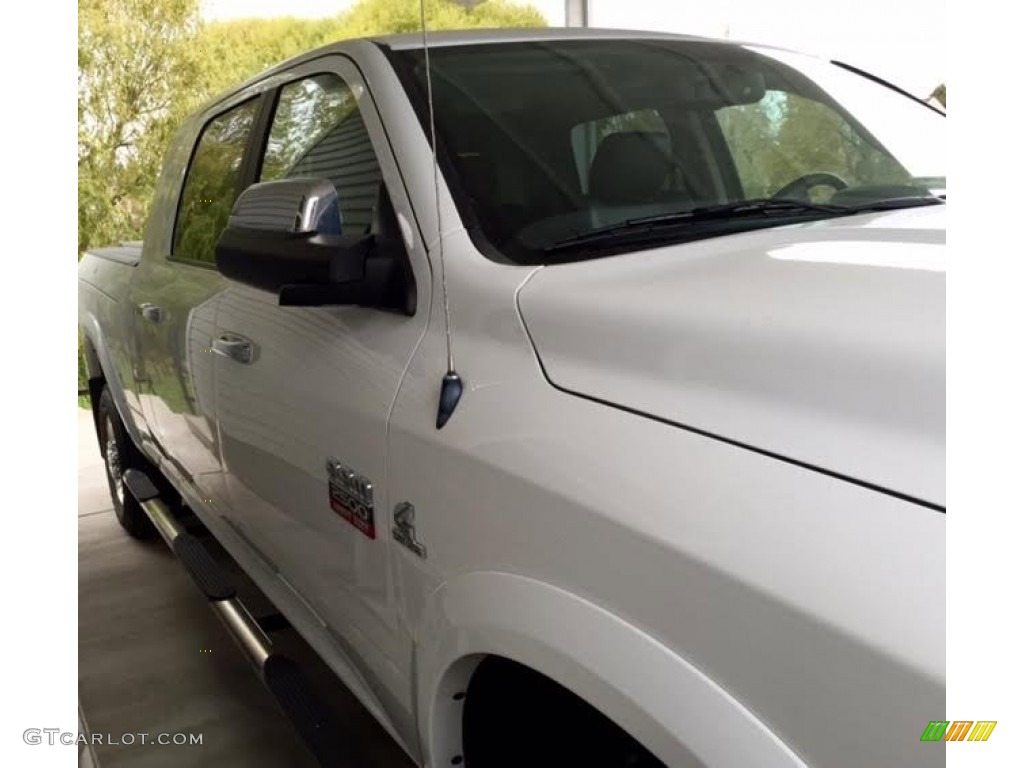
(212,183)
(587,137)
(784,136)
(549,142)
(318,132)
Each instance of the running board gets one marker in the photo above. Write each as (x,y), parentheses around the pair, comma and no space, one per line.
(282,676)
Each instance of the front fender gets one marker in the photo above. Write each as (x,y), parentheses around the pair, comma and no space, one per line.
(657,696)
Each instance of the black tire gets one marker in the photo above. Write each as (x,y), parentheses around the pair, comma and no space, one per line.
(119,453)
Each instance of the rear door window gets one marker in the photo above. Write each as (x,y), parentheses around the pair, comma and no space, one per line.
(212,184)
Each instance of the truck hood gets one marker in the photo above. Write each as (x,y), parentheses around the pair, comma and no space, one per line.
(820,343)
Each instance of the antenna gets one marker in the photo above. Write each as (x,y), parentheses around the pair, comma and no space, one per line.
(451,383)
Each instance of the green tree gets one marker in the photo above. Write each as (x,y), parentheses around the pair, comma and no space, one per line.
(378,17)
(749,130)
(815,138)
(209,191)
(135,68)
(939,94)
(233,51)
(785,136)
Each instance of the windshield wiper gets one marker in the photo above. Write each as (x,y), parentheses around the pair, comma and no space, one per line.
(771,206)
(758,206)
(640,228)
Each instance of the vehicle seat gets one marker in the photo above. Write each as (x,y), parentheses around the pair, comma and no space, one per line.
(629,168)
(486,189)
(633,176)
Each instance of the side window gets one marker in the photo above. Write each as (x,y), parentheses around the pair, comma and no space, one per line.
(211,185)
(318,132)
(587,137)
(785,136)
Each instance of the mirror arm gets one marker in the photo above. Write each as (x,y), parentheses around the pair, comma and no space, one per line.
(306,295)
(380,273)
(251,256)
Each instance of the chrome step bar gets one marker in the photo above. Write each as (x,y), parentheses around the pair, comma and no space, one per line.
(282,677)
(236,617)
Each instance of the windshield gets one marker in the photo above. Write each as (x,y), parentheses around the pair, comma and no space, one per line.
(550,142)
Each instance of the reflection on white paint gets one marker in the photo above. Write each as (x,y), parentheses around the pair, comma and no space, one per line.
(924,256)
(406,228)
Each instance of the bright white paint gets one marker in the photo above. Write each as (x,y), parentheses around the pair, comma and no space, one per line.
(817,359)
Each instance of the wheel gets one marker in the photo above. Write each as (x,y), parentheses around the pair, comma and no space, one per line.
(800,189)
(119,454)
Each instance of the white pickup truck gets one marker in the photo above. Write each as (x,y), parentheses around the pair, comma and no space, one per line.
(614,436)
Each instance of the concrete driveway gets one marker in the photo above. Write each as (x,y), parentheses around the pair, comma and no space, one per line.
(153,659)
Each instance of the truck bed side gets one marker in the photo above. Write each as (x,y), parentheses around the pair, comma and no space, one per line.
(106,318)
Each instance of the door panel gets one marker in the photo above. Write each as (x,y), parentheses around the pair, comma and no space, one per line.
(319,388)
(176,291)
(176,385)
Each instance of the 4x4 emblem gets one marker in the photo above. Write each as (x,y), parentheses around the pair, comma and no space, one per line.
(404,531)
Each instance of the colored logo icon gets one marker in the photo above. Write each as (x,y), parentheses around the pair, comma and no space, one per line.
(958,730)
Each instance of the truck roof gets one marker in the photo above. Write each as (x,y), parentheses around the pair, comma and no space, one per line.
(520,35)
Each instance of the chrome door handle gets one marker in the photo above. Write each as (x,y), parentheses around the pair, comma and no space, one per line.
(151,312)
(235,347)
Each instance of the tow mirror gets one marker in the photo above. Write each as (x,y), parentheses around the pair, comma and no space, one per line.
(288,237)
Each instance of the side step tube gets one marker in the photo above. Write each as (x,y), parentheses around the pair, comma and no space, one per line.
(280,674)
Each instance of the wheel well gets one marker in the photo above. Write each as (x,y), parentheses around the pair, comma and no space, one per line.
(139,459)
(96,381)
(514,715)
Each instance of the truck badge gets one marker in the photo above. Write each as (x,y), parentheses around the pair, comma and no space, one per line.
(351,496)
(404,531)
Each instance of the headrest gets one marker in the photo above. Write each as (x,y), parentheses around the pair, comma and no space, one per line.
(478,174)
(628,167)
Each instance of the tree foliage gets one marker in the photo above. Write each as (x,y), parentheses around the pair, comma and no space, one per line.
(377,17)
(143,65)
(209,191)
(786,136)
(233,51)
(134,63)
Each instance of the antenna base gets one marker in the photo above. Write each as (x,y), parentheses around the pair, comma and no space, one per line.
(451,393)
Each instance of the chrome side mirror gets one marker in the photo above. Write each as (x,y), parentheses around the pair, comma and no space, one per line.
(288,237)
(296,206)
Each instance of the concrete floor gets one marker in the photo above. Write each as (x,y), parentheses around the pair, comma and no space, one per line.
(153,658)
